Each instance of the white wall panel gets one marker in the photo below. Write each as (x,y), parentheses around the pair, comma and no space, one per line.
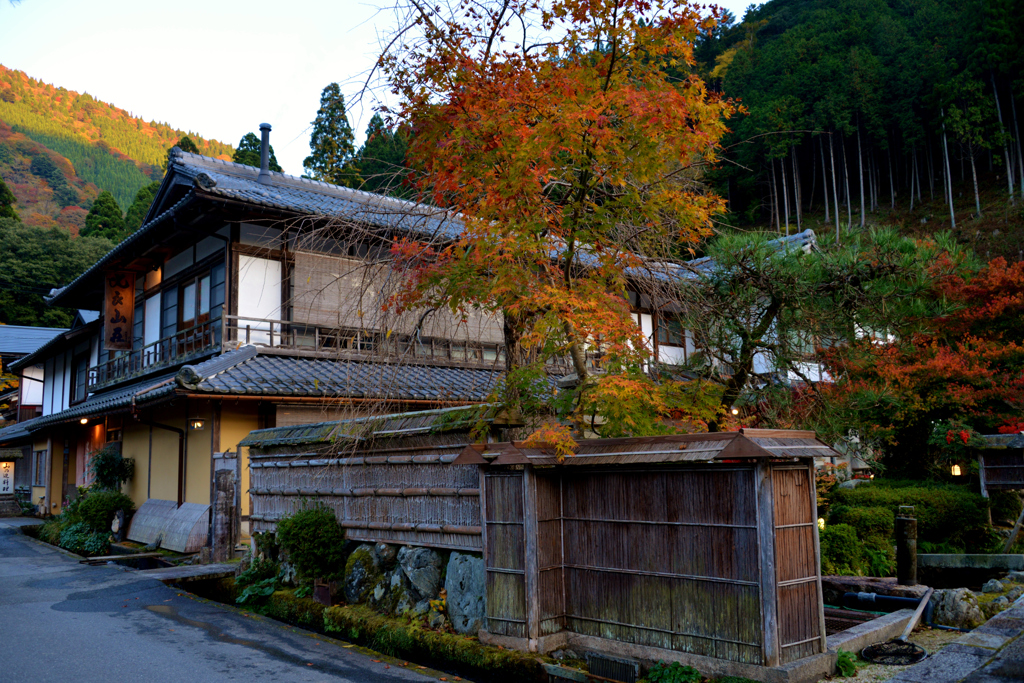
(32,391)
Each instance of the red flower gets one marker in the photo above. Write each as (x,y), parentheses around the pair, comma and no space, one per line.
(964,436)
(949,436)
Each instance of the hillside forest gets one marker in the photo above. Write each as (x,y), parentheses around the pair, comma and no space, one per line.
(104,146)
(867,111)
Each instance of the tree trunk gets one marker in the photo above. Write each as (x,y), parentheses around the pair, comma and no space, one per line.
(949,171)
(913,174)
(860,170)
(1016,131)
(1006,152)
(824,177)
(796,188)
(835,187)
(974,176)
(846,181)
(892,181)
(785,190)
(775,200)
(931,173)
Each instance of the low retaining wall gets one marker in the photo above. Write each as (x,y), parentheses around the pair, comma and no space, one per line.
(954,571)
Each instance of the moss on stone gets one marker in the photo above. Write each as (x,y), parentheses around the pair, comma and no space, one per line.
(410,640)
(304,612)
(362,557)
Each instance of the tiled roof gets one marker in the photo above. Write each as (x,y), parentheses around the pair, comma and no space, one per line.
(362,428)
(303,195)
(57,342)
(113,401)
(283,376)
(21,340)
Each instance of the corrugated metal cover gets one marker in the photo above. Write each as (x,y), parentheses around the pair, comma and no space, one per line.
(187,528)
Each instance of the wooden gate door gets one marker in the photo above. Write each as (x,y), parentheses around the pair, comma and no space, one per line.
(800,608)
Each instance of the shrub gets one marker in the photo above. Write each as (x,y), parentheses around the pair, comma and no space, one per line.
(672,673)
(98,508)
(81,539)
(946,513)
(846,664)
(109,469)
(314,541)
(1005,504)
(870,522)
(841,552)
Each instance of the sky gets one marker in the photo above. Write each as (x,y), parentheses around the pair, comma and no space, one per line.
(216,67)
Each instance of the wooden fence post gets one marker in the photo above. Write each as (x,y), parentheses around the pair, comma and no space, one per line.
(764,491)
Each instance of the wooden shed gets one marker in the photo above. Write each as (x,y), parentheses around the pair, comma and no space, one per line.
(698,548)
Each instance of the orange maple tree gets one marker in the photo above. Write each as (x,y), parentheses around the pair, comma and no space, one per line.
(563,136)
(968,366)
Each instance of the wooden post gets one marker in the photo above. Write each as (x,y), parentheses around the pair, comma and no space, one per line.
(981,478)
(224,511)
(817,552)
(531,565)
(906,551)
(766,561)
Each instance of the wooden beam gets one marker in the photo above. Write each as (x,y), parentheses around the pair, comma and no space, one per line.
(765,501)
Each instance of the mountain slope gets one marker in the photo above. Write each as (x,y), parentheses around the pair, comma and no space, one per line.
(105,145)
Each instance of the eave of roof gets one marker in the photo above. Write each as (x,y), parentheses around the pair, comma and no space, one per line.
(23,339)
(66,337)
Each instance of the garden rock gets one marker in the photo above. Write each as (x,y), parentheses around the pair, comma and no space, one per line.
(1015,576)
(362,574)
(1015,593)
(386,555)
(992,586)
(465,584)
(957,607)
(422,566)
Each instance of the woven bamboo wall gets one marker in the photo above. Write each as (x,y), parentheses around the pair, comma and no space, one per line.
(665,557)
(408,495)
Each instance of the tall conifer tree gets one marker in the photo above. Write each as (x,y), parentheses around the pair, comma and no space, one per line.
(248,153)
(105,219)
(331,143)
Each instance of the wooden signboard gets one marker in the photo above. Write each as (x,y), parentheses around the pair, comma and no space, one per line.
(6,478)
(118,310)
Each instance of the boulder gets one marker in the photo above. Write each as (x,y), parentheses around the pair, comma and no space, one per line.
(1015,576)
(386,555)
(362,574)
(1015,593)
(992,586)
(466,585)
(956,607)
(422,568)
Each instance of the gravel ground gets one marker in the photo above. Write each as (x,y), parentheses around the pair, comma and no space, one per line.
(931,639)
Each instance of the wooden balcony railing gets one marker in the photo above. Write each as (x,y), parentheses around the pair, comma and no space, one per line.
(180,347)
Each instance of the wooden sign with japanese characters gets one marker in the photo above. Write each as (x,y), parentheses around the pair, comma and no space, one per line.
(118,308)
(6,478)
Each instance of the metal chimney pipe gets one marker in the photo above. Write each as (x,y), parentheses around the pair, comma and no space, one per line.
(264,153)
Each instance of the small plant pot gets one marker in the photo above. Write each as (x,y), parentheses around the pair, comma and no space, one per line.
(325,592)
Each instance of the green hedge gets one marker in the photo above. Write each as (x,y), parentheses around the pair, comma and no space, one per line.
(947,514)
(870,522)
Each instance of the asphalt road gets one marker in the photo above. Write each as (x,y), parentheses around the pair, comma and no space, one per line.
(62,621)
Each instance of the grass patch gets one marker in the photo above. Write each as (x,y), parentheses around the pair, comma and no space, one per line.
(409,640)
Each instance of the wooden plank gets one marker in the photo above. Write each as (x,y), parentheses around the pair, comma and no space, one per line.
(981,477)
(765,498)
(193,572)
(102,559)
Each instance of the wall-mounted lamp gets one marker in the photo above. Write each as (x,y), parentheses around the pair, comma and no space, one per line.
(84,420)
(196,425)
(735,411)
(955,470)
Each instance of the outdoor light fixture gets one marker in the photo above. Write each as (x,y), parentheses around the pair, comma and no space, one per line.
(955,469)
(196,424)
(821,523)
(84,420)
(735,411)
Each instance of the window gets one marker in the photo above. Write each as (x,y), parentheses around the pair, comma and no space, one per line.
(670,331)
(39,468)
(194,305)
(80,378)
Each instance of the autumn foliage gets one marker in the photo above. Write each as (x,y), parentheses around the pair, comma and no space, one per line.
(968,365)
(572,156)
